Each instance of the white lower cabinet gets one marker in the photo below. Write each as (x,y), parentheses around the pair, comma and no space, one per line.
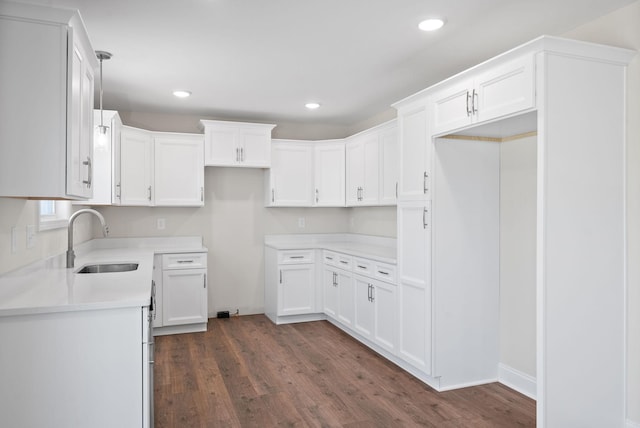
(346,297)
(296,294)
(375,309)
(181,293)
(330,292)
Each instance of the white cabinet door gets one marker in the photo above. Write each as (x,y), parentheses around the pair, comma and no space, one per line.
(414,285)
(362,170)
(184,296)
(291,174)
(346,297)
(453,106)
(415,152)
(364,320)
(136,167)
(296,290)
(255,147)
(179,170)
(385,327)
(329,170)
(506,89)
(80,110)
(221,145)
(389,165)
(330,292)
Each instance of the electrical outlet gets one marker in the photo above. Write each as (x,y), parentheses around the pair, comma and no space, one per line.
(301,222)
(31,236)
(160,224)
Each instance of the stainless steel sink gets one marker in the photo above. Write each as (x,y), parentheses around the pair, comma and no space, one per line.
(109,267)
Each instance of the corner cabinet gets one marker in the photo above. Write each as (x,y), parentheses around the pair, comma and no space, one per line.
(159,169)
(47,77)
(306,174)
(238,144)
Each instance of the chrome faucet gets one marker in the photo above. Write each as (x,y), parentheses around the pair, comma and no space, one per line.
(105,230)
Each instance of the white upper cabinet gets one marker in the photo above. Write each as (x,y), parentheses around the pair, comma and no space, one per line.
(159,169)
(48,76)
(103,154)
(179,170)
(289,182)
(238,144)
(362,169)
(415,152)
(329,171)
(136,167)
(372,166)
(306,174)
(502,90)
(389,165)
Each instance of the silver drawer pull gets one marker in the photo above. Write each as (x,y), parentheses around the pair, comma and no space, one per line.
(361,267)
(329,258)
(383,273)
(184,261)
(296,257)
(344,262)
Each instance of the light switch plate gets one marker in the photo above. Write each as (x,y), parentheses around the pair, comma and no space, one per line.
(160,224)
(31,236)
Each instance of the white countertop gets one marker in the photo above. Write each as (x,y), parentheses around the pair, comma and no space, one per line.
(48,286)
(371,247)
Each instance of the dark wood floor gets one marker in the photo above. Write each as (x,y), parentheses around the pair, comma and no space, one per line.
(247,372)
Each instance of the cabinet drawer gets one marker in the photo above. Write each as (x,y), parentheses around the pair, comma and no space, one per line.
(384,272)
(329,258)
(363,266)
(295,257)
(345,262)
(184,261)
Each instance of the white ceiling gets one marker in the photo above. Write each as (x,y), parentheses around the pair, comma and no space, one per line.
(263,59)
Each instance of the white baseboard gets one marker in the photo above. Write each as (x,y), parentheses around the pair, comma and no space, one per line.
(515,379)
(632,424)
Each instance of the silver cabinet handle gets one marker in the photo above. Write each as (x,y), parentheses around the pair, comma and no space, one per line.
(474,101)
(89,172)
(296,257)
(383,272)
(469,108)
(119,191)
(344,262)
(273,195)
(184,261)
(201,194)
(373,296)
(280,276)
(149,192)
(425,186)
(204,285)
(361,267)
(241,154)
(329,258)
(237,154)
(317,197)
(424,219)
(396,190)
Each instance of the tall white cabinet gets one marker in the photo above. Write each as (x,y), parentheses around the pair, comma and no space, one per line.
(48,76)
(571,94)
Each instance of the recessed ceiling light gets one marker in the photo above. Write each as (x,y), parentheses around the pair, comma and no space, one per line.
(182,94)
(312,106)
(431,24)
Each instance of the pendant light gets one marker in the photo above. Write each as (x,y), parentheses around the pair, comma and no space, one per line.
(101,141)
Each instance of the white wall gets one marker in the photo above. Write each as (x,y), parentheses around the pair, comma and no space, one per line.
(21,213)
(518,254)
(622,28)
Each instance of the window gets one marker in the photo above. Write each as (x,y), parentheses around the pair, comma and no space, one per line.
(53,214)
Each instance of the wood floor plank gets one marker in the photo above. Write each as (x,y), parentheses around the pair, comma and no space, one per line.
(247,372)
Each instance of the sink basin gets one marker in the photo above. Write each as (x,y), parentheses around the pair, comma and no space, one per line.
(109,267)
